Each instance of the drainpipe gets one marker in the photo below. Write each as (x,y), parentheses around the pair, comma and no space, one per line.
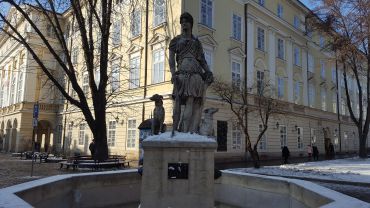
(338,115)
(146,58)
(65,122)
(246,68)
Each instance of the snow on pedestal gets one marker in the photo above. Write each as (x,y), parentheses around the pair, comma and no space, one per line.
(192,185)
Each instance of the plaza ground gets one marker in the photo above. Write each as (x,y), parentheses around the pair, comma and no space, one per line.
(14,170)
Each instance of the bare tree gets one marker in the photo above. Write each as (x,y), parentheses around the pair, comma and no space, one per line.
(242,103)
(91,22)
(347,23)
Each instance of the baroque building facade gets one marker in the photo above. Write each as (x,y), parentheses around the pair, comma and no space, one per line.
(256,41)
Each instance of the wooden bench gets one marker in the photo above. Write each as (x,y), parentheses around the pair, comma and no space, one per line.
(87,162)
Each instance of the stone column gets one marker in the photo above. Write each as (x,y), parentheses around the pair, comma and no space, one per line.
(304,76)
(178,172)
(250,51)
(289,63)
(272,56)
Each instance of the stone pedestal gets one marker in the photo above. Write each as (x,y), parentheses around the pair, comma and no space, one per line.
(178,172)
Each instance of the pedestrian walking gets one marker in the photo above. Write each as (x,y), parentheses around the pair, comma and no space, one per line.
(315,152)
(285,154)
(331,151)
(309,152)
(92,149)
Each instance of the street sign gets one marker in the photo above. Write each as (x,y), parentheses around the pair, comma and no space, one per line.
(34,122)
(36,110)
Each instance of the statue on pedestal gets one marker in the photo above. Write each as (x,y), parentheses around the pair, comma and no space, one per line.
(191,78)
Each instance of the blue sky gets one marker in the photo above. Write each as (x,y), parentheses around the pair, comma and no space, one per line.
(308,3)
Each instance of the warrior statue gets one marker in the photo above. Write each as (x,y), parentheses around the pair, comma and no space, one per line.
(191,78)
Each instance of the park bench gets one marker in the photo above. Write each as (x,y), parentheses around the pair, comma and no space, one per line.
(115,161)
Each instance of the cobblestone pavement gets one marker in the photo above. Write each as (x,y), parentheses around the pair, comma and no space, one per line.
(13,170)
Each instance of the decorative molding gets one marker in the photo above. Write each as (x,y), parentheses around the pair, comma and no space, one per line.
(158,38)
(237,52)
(208,40)
(134,48)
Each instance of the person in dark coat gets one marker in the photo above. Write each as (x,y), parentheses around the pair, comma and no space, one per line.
(92,149)
(331,151)
(285,154)
(315,152)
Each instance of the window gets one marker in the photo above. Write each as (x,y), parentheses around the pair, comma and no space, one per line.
(296,22)
(263,141)
(297,56)
(206,12)
(280,10)
(346,145)
(134,72)
(12,89)
(280,48)
(74,55)
(280,87)
(98,40)
(136,23)
(300,137)
(283,136)
(111,133)
(311,63)
(322,41)
(313,135)
(333,75)
(311,95)
(309,31)
(208,55)
(260,84)
(334,102)
(115,76)
(341,80)
(261,39)
(68,139)
(237,138)
(131,133)
(322,69)
(343,105)
(116,35)
(158,66)
(261,2)
(159,12)
(81,135)
(50,31)
(336,140)
(323,99)
(20,87)
(235,73)
(237,27)
(97,75)
(85,83)
(297,92)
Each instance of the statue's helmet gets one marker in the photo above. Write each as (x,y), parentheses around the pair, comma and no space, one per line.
(187,17)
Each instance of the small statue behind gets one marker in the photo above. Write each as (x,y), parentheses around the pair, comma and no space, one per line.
(158,115)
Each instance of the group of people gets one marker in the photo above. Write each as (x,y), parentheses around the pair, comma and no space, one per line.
(312,151)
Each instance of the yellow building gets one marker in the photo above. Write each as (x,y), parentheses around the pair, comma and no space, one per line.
(253,41)
(22,85)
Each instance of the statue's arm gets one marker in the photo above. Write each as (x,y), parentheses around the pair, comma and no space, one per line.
(172,62)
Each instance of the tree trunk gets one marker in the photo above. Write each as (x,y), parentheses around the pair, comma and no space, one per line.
(100,136)
(254,155)
(363,147)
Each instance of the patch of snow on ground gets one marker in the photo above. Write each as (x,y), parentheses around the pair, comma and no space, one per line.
(351,169)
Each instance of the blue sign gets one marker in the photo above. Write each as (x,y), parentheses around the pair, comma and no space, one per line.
(36,110)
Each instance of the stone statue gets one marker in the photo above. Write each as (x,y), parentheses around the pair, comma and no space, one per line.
(191,78)
(206,126)
(158,114)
